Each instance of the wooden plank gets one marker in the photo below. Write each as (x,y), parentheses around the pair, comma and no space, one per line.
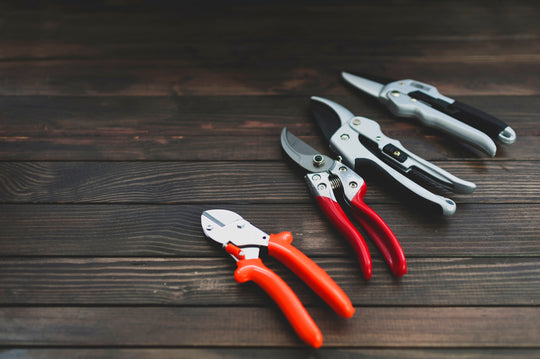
(261,30)
(267,353)
(239,148)
(374,327)
(174,230)
(227,182)
(168,77)
(247,116)
(210,282)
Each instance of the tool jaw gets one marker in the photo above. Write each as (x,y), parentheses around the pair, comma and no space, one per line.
(343,114)
(304,155)
(227,227)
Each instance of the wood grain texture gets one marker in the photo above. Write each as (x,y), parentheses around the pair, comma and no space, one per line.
(210,282)
(476,230)
(121,121)
(224,116)
(162,78)
(462,327)
(188,127)
(269,353)
(229,182)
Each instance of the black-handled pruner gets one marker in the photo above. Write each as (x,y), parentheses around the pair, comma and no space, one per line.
(411,98)
(360,141)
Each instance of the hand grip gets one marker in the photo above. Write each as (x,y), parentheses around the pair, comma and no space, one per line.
(414,193)
(333,211)
(254,270)
(279,246)
(381,234)
(460,120)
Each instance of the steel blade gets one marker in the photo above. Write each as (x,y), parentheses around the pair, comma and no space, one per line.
(303,154)
(370,87)
(330,116)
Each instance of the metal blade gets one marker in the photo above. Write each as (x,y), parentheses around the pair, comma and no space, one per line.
(224,226)
(370,87)
(303,154)
(217,218)
(330,116)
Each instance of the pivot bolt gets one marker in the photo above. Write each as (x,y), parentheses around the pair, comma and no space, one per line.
(353,184)
(395,93)
(318,160)
(321,187)
(344,137)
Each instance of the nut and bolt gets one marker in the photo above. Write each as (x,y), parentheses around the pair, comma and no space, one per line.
(318,160)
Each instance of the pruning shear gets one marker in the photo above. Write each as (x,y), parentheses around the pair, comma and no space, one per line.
(243,241)
(326,177)
(411,98)
(361,142)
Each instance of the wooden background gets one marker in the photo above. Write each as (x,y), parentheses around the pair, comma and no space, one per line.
(121,121)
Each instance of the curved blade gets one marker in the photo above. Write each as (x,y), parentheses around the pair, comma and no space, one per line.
(330,116)
(370,87)
(303,154)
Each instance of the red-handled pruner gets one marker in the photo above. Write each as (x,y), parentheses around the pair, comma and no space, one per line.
(326,176)
(243,242)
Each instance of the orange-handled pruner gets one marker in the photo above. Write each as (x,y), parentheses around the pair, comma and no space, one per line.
(243,242)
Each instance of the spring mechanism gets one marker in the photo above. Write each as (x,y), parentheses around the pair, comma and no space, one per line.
(335,182)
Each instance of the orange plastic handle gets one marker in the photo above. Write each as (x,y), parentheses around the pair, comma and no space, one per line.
(279,246)
(254,270)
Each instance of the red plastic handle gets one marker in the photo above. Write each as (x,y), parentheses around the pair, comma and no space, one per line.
(279,246)
(381,234)
(254,270)
(333,211)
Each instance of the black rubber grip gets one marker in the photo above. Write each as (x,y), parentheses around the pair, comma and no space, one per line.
(473,117)
(406,195)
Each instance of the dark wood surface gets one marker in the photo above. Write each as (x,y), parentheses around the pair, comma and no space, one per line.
(121,121)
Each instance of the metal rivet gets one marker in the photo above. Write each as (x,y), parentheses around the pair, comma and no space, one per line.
(413,100)
(343,169)
(353,184)
(209,227)
(397,153)
(321,187)
(395,93)
(378,138)
(316,177)
(344,137)
(356,121)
